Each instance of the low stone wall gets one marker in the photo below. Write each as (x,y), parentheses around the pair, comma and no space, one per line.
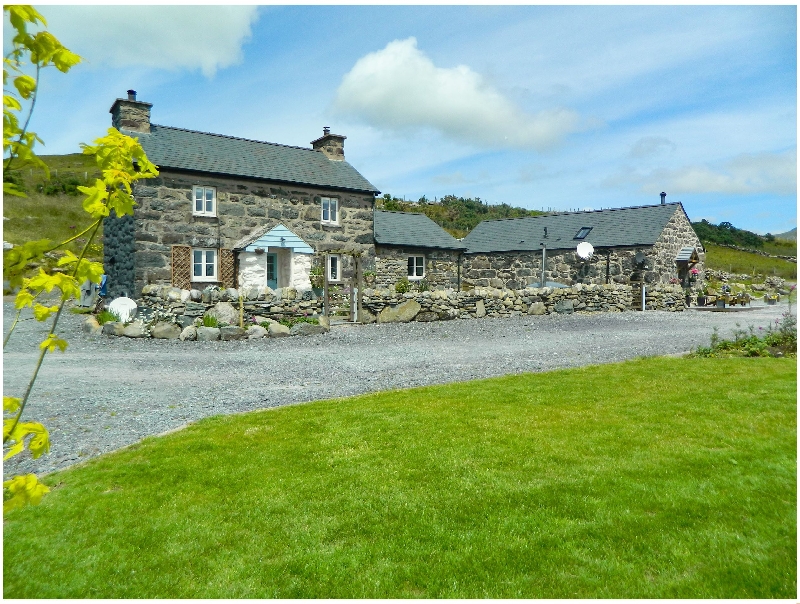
(170,304)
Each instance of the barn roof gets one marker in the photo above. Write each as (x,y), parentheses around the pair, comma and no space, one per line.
(169,147)
(412,229)
(616,227)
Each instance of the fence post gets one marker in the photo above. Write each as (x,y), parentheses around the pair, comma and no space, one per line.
(326,298)
(360,298)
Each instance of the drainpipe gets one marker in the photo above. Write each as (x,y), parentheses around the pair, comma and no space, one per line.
(544,261)
(458,272)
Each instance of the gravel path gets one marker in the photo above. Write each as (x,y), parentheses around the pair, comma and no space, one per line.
(104,393)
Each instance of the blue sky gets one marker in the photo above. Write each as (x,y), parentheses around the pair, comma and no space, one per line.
(535,106)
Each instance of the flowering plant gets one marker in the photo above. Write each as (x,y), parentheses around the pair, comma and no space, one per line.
(695,272)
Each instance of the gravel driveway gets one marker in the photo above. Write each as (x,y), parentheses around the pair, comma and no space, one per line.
(104,393)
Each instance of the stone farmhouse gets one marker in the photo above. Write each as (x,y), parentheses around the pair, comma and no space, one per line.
(238,213)
(227,211)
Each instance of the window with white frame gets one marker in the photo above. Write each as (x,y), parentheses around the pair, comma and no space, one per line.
(205,201)
(416,267)
(334,268)
(204,265)
(330,210)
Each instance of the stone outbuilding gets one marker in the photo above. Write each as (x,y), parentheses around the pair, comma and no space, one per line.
(412,246)
(216,196)
(651,244)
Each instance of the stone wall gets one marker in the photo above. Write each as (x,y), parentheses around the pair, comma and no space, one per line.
(391,265)
(118,252)
(677,234)
(164,218)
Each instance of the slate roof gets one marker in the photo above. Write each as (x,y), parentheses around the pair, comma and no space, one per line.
(617,227)
(411,229)
(169,147)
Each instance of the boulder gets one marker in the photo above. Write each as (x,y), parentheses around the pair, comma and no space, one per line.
(564,307)
(174,294)
(232,332)
(112,328)
(195,295)
(185,295)
(480,309)
(366,317)
(402,313)
(92,327)
(165,331)
(207,334)
(307,329)
(276,330)
(225,313)
(189,333)
(233,294)
(325,321)
(137,329)
(537,308)
(255,332)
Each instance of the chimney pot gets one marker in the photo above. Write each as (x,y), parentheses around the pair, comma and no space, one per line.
(131,95)
(663,198)
(326,130)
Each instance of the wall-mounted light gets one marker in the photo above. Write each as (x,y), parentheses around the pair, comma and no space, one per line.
(259,250)
(283,241)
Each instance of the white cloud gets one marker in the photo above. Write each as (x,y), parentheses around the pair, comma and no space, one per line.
(399,88)
(649,146)
(166,37)
(745,174)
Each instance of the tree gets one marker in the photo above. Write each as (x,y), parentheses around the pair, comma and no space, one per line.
(122,162)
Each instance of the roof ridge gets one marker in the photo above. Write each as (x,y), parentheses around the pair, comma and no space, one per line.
(238,138)
(652,205)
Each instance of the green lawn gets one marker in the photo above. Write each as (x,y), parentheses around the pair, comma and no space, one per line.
(735,261)
(655,478)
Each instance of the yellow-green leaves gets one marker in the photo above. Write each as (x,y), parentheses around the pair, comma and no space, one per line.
(21,491)
(96,202)
(11,404)
(25,85)
(52,342)
(16,433)
(84,269)
(42,313)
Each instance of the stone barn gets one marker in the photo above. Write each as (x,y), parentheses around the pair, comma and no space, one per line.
(412,246)
(651,244)
(217,196)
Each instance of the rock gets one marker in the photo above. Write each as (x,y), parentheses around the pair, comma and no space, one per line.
(276,330)
(136,329)
(426,317)
(165,331)
(185,320)
(324,321)
(189,334)
(480,309)
(195,295)
(402,313)
(207,334)
(92,327)
(233,294)
(307,329)
(173,294)
(564,307)
(367,317)
(112,328)
(185,295)
(255,332)
(232,332)
(225,313)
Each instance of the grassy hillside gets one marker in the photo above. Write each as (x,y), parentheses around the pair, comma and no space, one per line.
(52,210)
(735,261)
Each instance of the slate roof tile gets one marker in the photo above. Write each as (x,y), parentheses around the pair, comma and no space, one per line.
(169,147)
(411,229)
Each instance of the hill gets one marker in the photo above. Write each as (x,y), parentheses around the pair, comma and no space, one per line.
(457,215)
(788,235)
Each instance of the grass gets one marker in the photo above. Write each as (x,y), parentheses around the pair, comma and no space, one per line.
(655,478)
(56,217)
(734,261)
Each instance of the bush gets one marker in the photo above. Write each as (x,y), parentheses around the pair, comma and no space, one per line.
(108,316)
(402,286)
(210,321)
(292,321)
(779,340)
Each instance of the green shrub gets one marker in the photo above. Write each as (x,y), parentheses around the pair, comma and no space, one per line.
(210,321)
(777,340)
(292,321)
(402,286)
(108,316)
(424,285)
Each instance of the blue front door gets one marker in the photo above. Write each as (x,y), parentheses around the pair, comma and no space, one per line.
(272,271)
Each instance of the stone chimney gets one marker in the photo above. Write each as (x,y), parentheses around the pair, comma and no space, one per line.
(663,198)
(332,145)
(130,114)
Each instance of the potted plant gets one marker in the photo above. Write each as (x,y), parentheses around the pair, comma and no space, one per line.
(701,297)
(317,278)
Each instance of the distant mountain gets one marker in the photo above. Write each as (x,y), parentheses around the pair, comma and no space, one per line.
(790,235)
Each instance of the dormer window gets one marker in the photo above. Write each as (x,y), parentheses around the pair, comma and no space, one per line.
(583,232)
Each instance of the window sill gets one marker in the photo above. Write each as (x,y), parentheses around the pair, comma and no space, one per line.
(333,225)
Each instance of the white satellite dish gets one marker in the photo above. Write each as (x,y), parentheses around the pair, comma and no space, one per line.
(124,307)
(585,250)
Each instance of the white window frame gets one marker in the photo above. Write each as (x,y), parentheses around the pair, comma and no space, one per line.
(416,277)
(204,263)
(328,263)
(203,191)
(333,204)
